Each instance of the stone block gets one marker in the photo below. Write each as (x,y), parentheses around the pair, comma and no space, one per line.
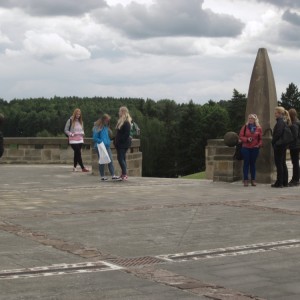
(21,146)
(52,146)
(225,151)
(46,155)
(32,153)
(15,153)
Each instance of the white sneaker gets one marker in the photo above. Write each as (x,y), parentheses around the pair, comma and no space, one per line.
(104,178)
(116,178)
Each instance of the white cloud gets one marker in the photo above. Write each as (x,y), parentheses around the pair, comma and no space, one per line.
(51,45)
(169,18)
(4,39)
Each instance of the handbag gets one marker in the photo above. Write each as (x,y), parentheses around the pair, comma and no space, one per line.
(103,155)
(286,137)
(238,152)
(238,149)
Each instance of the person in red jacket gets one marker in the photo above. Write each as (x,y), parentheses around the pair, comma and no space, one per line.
(251,138)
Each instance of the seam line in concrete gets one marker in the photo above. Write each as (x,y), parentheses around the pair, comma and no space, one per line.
(188,284)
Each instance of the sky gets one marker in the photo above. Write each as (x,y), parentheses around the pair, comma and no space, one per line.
(183,50)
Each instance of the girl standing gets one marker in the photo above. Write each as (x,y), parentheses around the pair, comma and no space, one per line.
(295,147)
(251,137)
(74,130)
(122,139)
(101,134)
(282,120)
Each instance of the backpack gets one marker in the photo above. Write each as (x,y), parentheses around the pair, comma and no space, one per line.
(69,127)
(134,130)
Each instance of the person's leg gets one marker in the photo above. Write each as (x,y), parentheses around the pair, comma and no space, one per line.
(295,161)
(79,156)
(278,153)
(111,164)
(246,156)
(297,171)
(121,159)
(253,157)
(285,169)
(75,161)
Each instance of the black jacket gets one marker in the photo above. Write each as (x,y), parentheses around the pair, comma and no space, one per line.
(123,140)
(1,144)
(295,131)
(278,130)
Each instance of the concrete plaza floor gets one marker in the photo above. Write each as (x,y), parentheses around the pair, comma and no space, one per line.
(67,235)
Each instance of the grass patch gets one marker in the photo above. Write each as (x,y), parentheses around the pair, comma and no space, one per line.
(200,175)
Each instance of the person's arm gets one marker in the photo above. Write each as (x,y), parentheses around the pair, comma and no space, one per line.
(96,137)
(1,144)
(259,137)
(294,130)
(278,131)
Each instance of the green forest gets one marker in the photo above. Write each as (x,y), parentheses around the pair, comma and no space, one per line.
(173,136)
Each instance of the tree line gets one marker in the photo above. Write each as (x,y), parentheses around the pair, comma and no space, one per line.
(173,136)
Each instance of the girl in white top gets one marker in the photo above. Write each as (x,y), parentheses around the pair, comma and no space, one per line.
(74,130)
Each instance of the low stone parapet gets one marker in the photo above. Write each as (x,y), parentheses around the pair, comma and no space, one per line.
(58,151)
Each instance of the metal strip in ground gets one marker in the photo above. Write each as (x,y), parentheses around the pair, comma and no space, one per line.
(59,269)
(231,251)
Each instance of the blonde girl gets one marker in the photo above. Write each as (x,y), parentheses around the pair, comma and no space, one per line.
(282,120)
(251,137)
(122,139)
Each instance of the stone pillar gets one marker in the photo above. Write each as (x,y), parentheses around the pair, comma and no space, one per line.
(262,100)
(220,164)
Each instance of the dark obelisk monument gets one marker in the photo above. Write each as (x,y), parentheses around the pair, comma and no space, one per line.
(262,100)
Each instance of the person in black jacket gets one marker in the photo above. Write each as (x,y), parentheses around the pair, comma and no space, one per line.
(282,120)
(1,136)
(122,139)
(295,147)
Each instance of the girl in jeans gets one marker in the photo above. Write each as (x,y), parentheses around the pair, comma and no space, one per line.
(122,139)
(251,137)
(74,130)
(101,134)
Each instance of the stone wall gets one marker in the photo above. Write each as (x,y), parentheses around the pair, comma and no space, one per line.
(220,165)
(57,151)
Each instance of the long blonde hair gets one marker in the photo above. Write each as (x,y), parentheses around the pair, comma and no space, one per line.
(73,118)
(125,116)
(285,114)
(99,124)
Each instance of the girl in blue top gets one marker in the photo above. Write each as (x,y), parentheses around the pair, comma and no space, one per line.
(101,134)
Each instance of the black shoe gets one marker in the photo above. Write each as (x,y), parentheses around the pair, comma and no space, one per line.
(276,185)
(293,183)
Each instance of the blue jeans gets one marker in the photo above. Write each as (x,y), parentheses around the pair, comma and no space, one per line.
(122,159)
(250,155)
(110,165)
